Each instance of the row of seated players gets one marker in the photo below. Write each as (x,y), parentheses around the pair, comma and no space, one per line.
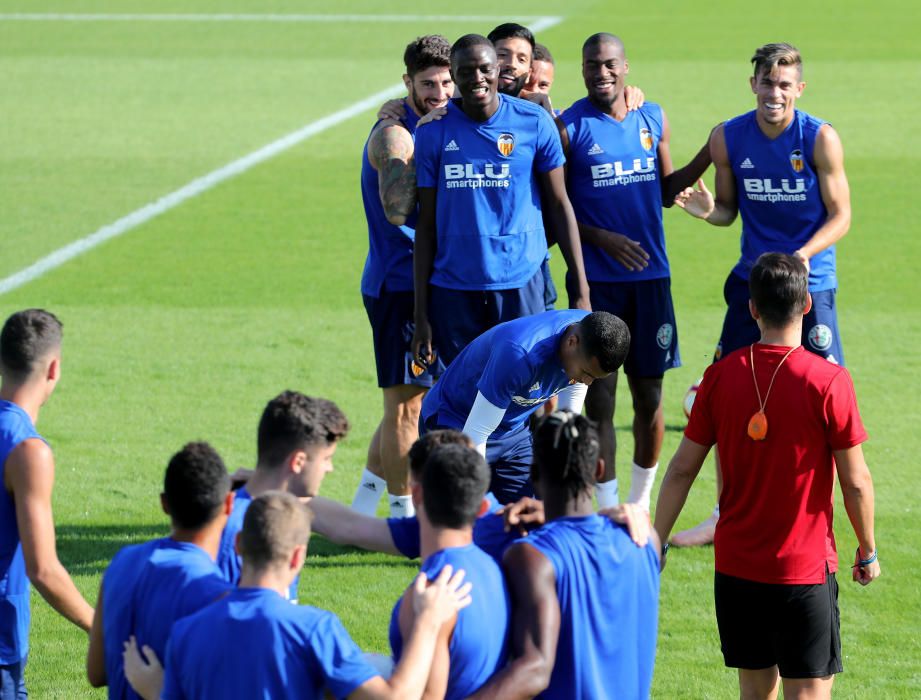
(573,616)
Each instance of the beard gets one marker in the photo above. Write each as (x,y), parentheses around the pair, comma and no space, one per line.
(515,88)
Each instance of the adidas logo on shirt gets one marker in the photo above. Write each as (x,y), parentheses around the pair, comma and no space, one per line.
(452,146)
(595,150)
(747,163)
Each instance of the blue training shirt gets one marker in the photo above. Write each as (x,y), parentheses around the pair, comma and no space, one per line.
(255,644)
(515,365)
(146,588)
(390,248)
(608,590)
(479,643)
(15,427)
(777,188)
(490,231)
(614,183)
(488,532)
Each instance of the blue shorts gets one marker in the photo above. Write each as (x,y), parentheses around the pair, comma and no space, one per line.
(392,326)
(646,307)
(13,681)
(508,456)
(458,316)
(550,294)
(820,325)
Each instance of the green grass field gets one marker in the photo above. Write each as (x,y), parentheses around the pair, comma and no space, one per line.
(185,326)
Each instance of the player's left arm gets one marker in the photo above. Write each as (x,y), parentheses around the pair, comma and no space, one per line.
(828,157)
(559,214)
(390,152)
(437,685)
(857,490)
(95,655)
(682,470)
(675,181)
(535,626)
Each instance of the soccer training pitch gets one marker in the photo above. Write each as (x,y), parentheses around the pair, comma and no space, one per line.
(184,318)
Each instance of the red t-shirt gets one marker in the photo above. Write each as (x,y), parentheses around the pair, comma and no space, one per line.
(775,522)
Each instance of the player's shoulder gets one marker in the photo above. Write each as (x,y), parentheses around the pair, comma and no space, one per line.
(131,557)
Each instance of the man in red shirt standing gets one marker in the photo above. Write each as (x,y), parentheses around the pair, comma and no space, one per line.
(784,420)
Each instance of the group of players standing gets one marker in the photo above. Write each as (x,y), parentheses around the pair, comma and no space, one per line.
(463,196)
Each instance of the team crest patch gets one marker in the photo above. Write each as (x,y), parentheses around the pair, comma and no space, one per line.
(506,144)
(664,335)
(796,160)
(820,337)
(646,139)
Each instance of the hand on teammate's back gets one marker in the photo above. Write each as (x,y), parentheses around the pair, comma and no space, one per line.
(634,516)
(523,515)
(443,597)
(145,677)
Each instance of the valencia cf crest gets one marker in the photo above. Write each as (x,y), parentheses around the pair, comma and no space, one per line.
(506,144)
(646,139)
(796,160)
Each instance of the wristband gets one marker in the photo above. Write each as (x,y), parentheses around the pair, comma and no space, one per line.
(865,562)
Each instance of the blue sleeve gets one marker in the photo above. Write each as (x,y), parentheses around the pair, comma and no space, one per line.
(339,658)
(506,372)
(549,151)
(405,534)
(426,156)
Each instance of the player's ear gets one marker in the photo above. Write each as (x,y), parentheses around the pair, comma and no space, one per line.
(751,81)
(228,502)
(626,66)
(753,311)
(297,460)
(800,88)
(54,369)
(163,504)
(408,82)
(599,470)
(415,490)
(298,555)
(808,306)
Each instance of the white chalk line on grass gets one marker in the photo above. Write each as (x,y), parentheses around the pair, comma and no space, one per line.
(253,17)
(206,182)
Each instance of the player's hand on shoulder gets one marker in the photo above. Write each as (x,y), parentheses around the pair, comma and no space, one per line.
(538,98)
(697,202)
(803,257)
(433,116)
(634,516)
(634,96)
(523,515)
(391,109)
(145,677)
(443,597)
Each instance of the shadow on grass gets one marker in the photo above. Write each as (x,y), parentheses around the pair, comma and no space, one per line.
(86,550)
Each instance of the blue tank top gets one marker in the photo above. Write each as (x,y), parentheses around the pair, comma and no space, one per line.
(608,590)
(390,248)
(614,183)
(778,193)
(15,426)
(490,229)
(479,643)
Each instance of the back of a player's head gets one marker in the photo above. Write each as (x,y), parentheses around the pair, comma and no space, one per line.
(292,421)
(28,337)
(511,30)
(467,42)
(542,53)
(566,450)
(769,56)
(454,480)
(275,523)
(779,288)
(603,38)
(422,448)
(195,486)
(425,52)
(606,338)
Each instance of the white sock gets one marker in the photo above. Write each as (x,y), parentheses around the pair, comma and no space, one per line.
(401,506)
(641,484)
(370,489)
(606,494)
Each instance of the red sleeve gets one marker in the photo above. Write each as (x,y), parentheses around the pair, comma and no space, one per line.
(844,428)
(701,426)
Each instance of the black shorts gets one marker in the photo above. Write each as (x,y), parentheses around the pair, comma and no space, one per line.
(795,627)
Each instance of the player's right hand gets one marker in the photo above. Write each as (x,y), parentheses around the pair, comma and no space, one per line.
(699,202)
(626,251)
(391,109)
(443,597)
(523,515)
(635,517)
(433,116)
(422,343)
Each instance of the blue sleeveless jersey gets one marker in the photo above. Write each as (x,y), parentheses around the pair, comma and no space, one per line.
(515,365)
(479,643)
(490,231)
(15,426)
(145,590)
(609,594)
(390,248)
(614,183)
(778,193)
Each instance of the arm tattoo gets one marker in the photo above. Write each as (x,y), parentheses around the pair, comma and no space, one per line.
(391,151)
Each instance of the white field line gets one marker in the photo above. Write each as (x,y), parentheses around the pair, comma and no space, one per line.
(197,17)
(206,182)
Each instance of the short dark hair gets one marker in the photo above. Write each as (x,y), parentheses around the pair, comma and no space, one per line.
(511,30)
(542,53)
(468,41)
(422,448)
(195,485)
(27,337)
(274,524)
(566,450)
(292,421)
(454,480)
(769,56)
(606,338)
(779,288)
(425,52)
(596,40)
